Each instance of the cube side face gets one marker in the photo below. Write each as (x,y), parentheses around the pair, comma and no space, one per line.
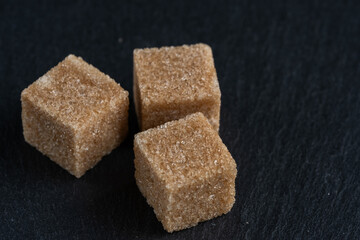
(150,185)
(49,136)
(156,114)
(200,201)
(172,82)
(101,135)
(137,98)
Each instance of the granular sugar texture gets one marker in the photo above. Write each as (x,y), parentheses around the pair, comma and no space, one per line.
(185,172)
(172,82)
(75,115)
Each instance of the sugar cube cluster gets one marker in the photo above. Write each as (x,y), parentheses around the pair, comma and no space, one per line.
(75,115)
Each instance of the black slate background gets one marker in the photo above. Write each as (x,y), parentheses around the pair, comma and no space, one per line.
(289,73)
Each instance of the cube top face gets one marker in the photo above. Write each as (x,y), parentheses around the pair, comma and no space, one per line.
(184,72)
(74,92)
(185,151)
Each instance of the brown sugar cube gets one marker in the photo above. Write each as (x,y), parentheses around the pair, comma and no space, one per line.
(172,82)
(75,115)
(185,172)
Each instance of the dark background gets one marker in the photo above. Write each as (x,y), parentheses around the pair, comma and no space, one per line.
(289,73)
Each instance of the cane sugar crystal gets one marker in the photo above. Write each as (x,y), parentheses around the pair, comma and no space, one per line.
(75,115)
(172,82)
(185,172)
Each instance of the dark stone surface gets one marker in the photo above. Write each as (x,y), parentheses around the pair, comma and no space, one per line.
(290,79)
